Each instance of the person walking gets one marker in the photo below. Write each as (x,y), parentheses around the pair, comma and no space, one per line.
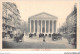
(14,34)
(69,39)
(44,38)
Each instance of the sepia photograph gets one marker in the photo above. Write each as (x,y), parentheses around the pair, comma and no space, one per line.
(39,25)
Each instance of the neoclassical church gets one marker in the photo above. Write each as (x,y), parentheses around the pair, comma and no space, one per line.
(42,23)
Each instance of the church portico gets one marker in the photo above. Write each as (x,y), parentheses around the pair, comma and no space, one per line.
(42,23)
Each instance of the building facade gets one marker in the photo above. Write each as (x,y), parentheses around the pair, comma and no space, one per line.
(42,23)
(72,21)
(10,18)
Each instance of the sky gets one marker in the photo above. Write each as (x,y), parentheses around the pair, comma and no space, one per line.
(60,9)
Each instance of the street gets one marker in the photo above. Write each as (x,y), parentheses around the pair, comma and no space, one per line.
(37,43)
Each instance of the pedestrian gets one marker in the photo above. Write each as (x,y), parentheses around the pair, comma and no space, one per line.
(74,42)
(69,39)
(43,38)
(14,35)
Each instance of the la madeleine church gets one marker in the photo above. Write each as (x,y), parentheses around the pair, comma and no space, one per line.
(42,23)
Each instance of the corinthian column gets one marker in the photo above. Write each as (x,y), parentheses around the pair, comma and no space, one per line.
(49,27)
(37,26)
(55,26)
(30,26)
(41,26)
(34,26)
(52,26)
(45,26)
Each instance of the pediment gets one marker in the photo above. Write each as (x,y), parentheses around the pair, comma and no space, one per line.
(43,15)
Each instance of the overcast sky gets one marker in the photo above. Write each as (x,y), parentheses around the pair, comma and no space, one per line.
(60,9)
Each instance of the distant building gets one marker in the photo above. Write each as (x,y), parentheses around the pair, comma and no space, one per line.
(10,18)
(63,28)
(42,23)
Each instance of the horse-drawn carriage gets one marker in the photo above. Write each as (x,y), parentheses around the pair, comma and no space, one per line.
(18,36)
(31,35)
(41,35)
(34,34)
(50,35)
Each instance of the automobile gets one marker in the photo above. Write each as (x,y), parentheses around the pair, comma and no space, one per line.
(19,37)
